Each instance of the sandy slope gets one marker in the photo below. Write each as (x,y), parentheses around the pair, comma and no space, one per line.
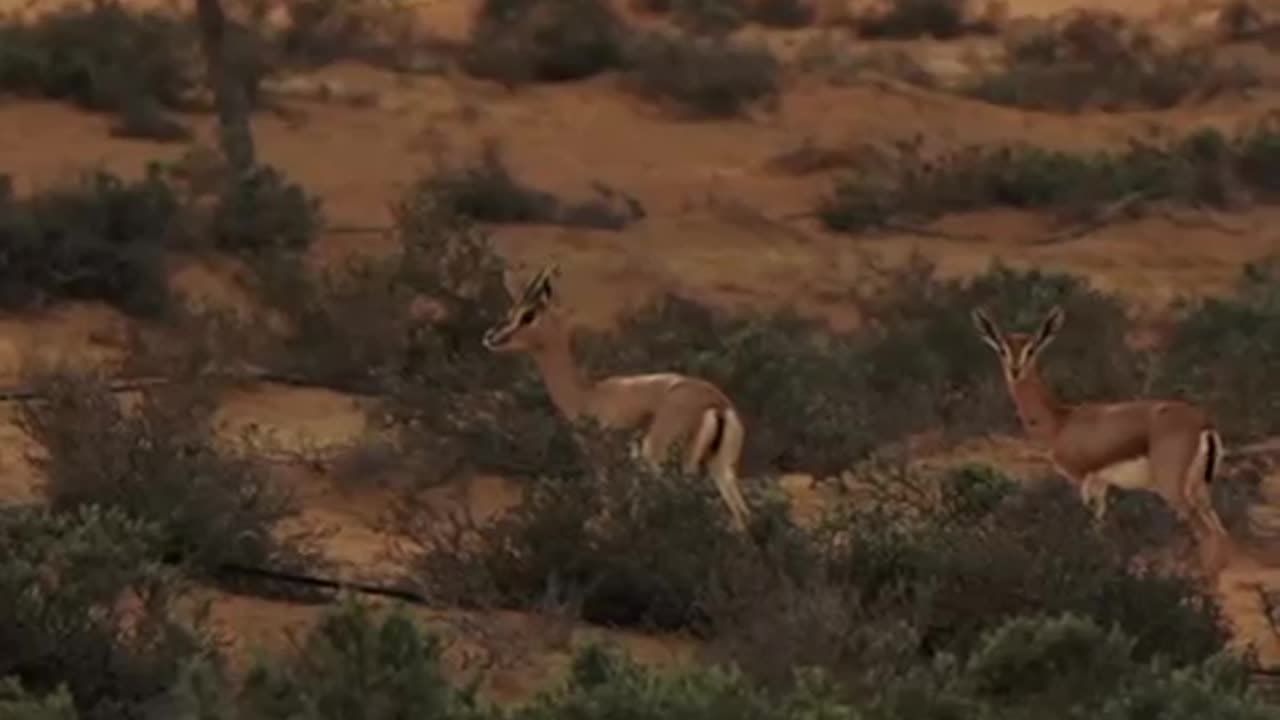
(721,226)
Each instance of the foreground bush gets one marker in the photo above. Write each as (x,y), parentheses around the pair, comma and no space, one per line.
(572,542)
(84,605)
(357,663)
(160,463)
(910,555)
(1101,59)
(1204,168)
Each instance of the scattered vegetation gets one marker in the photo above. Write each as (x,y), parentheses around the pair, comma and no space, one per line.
(1103,59)
(160,463)
(1203,169)
(705,76)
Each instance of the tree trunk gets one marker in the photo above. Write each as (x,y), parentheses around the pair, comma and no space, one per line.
(224,72)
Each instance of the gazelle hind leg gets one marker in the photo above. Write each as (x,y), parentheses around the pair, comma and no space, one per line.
(1199,500)
(722,465)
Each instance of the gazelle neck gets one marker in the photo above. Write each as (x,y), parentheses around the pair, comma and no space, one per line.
(1040,412)
(560,373)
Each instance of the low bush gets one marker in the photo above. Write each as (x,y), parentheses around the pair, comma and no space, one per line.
(98,238)
(161,463)
(486,190)
(1102,59)
(86,607)
(704,76)
(1205,168)
(523,41)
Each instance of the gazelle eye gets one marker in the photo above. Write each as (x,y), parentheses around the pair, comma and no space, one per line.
(525,317)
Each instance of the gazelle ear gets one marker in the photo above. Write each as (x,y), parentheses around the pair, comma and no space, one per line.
(990,333)
(1049,329)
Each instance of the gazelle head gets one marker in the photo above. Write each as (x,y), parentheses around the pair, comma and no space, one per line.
(528,323)
(1018,351)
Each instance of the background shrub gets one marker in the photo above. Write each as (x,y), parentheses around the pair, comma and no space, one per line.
(704,76)
(103,57)
(522,41)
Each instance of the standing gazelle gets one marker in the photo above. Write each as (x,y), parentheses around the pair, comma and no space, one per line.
(1166,447)
(672,409)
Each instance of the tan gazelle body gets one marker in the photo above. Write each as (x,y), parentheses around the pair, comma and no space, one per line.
(1166,447)
(673,410)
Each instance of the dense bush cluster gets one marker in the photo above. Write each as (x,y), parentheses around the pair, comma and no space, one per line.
(1204,168)
(105,57)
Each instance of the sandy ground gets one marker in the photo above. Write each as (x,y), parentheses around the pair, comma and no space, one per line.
(721,226)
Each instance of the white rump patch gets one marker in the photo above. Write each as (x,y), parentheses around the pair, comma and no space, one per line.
(1132,474)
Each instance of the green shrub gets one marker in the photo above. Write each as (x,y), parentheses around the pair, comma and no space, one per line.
(704,76)
(84,605)
(522,41)
(1103,59)
(1204,168)
(159,462)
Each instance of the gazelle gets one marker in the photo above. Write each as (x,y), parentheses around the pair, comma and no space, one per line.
(672,409)
(1167,447)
